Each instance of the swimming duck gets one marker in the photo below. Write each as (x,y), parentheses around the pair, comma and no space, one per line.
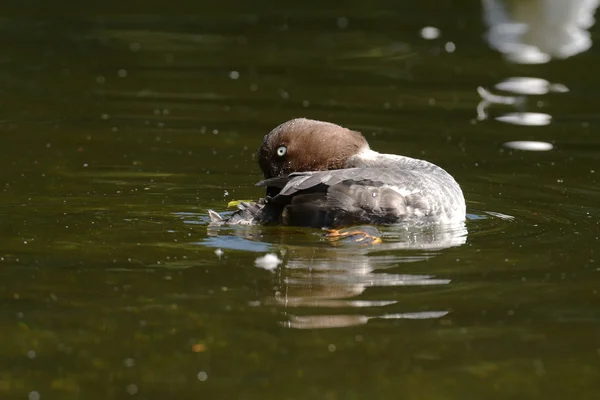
(319,174)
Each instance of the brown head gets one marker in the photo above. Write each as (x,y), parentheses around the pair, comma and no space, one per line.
(307,145)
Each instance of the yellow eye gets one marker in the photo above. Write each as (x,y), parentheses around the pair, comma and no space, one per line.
(281,150)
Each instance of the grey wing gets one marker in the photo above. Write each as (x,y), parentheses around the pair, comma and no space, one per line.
(301,181)
(352,196)
(352,202)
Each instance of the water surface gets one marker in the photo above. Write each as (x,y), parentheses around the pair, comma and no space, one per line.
(122,124)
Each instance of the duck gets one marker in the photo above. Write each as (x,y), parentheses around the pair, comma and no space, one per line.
(321,175)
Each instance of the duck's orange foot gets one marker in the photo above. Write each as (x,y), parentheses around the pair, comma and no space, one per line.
(355,235)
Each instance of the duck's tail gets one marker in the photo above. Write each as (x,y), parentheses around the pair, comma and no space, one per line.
(248,213)
(215,217)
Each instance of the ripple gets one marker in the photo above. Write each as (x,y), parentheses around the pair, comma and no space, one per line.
(525,211)
(320,285)
(310,287)
(340,321)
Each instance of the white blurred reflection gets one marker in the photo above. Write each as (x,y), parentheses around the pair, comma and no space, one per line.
(528,85)
(528,145)
(535,31)
(520,88)
(525,118)
(339,321)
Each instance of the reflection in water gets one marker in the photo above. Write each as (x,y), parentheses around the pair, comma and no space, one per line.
(314,280)
(535,31)
(333,280)
(270,262)
(340,321)
(521,86)
(529,145)
(111,289)
(430,33)
(528,86)
(526,118)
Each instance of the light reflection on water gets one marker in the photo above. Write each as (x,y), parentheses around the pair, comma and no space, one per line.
(106,252)
(320,276)
(535,31)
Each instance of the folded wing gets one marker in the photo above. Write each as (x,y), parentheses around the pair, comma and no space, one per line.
(348,196)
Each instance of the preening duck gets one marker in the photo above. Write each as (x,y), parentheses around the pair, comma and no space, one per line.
(319,174)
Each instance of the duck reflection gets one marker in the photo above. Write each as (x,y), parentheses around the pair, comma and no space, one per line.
(324,284)
(327,288)
(535,31)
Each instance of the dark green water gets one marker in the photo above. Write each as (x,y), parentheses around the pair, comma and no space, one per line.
(121,124)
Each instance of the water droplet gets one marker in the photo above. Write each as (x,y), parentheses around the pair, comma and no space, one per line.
(430,33)
(342,22)
(132,389)
(129,362)
(202,376)
(450,47)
